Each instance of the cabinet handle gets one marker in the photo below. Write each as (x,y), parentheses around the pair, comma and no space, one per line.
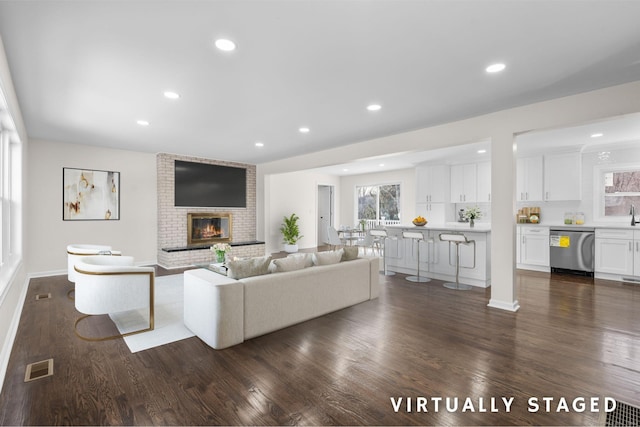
(546,196)
(637,247)
(526,195)
(489,196)
(521,196)
(464,197)
(630,247)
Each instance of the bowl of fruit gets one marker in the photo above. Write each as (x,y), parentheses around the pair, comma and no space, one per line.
(419,221)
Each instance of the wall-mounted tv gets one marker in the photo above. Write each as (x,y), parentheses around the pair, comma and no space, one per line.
(207,185)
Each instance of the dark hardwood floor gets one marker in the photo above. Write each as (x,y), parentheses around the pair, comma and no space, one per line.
(571,338)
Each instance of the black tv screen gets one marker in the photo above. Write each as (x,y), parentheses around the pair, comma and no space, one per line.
(212,186)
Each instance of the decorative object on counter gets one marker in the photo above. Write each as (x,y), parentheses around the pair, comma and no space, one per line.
(461,217)
(472,214)
(220,249)
(290,233)
(579,218)
(419,221)
(568,218)
(528,215)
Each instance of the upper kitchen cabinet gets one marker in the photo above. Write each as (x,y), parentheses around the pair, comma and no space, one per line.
(563,176)
(484,182)
(463,183)
(432,183)
(529,178)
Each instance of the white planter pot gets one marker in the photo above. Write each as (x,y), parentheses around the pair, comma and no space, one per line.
(290,248)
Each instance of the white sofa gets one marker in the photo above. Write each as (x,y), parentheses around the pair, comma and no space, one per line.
(224,312)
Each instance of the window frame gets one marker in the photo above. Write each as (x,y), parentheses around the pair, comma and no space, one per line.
(378,220)
(599,194)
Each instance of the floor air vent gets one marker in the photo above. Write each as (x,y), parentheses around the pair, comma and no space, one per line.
(38,370)
(623,415)
(42,296)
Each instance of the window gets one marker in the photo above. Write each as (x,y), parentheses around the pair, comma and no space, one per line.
(618,188)
(379,202)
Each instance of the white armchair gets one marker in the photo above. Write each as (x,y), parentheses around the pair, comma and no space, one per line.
(107,284)
(76,252)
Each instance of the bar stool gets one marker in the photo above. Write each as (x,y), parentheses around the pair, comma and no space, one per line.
(457,239)
(417,237)
(382,234)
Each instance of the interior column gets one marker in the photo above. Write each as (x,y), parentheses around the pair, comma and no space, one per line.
(503,225)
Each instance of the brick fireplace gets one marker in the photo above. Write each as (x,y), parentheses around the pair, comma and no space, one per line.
(174,246)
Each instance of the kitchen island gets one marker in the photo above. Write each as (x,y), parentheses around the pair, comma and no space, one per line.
(437,258)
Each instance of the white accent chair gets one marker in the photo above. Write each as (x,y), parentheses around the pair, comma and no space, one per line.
(76,252)
(107,284)
(334,238)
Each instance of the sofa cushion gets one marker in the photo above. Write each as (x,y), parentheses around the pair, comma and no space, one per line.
(288,264)
(327,257)
(308,258)
(350,253)
(239,269)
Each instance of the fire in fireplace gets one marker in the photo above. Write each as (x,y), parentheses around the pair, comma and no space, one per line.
(203,228)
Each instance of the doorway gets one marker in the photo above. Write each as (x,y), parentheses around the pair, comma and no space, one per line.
(325,212)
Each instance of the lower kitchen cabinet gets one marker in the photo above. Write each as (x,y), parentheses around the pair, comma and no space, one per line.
(533,248)
(617,254)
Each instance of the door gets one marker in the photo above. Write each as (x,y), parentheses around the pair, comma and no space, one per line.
(325,212)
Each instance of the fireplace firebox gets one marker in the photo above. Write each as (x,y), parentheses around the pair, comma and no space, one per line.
(204,228)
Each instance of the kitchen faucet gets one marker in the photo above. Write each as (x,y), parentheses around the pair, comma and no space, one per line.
(633,215)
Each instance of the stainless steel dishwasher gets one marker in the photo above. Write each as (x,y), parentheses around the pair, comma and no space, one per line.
(572,250)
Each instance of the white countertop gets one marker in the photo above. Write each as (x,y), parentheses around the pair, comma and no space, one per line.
(480,227)
(586,224)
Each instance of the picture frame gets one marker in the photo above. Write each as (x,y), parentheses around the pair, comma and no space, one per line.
(90,195)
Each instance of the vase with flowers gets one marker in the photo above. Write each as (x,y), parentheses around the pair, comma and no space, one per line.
(472,214)
(220,249)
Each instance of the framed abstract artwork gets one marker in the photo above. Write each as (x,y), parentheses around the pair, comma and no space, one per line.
(90,195)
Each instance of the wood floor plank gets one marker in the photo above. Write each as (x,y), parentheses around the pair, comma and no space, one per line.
(572,337)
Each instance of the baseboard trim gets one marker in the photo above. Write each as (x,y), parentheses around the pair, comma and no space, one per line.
(504,305)
(7,346)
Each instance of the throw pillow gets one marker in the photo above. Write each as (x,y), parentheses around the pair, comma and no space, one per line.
(350,253)
(288,264)
(327,257)
(239,269)
(307,257)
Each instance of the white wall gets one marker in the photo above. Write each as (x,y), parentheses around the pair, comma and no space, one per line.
(348,184)
(501,127)
(48,235)
(297,193)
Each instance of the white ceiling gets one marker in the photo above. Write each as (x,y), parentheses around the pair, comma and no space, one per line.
(85,71)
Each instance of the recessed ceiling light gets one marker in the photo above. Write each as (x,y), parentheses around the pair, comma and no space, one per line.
(259,144)
(225,45)
(482,151)
(304,130)
(374,107)
(381,165)
(143,123)
(345,170)
(171,95)
(596,135)
(495,68)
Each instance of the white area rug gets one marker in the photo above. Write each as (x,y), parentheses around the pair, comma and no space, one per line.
(169,309)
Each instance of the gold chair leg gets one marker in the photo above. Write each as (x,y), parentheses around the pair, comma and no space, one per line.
(112,337)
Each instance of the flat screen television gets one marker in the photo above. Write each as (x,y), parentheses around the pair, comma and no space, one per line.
(207,185)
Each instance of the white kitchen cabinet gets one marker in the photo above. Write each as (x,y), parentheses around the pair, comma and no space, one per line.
(432,184)
(615,252)
(533,248)
(636,253)
(563,176)
(463,183)
(483,187)
(529,178)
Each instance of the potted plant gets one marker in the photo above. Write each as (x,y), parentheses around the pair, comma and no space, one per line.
(290,233)
(472,214)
